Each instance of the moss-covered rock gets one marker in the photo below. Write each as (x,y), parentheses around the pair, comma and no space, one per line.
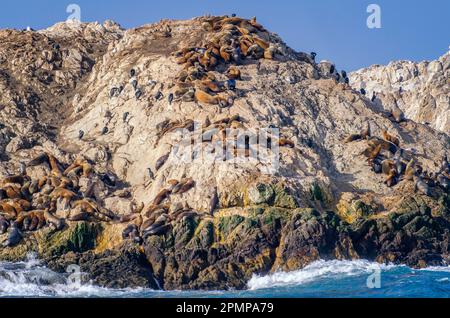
(203,236)
(77,238)
(284,198)
(260,194)
(226,225)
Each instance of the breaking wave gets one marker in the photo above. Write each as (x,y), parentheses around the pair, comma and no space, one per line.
(31,279)
(319,279)
(317,270)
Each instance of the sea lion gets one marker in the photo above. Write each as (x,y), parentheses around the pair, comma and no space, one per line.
(14,237)
(62,193)
(421,186)
(4,224)
(18,179)
(387,166)
(373,154)
(6,208)
(162,195)
(13,192)
(391,180)
(132,232)
(40,159)
(187,184)
(161,161)
(399,166)
(391,138)
(397,114)
(286,143)
(377,166)
(56,223)
(385,145)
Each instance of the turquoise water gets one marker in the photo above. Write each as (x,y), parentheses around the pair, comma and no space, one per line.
(320,279)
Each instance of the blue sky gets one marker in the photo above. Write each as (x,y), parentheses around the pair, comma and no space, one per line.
(335,29)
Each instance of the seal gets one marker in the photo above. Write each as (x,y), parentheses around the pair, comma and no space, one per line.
(421,186)
(186,185)
(4,224)
(161,196)
(56,223)
(391,138)
(397,114)
(161,161)
(392,179)
(14,237)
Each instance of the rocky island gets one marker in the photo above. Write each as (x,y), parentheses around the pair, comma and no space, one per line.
(121,152)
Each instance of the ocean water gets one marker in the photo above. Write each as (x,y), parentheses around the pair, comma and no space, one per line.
(322,279)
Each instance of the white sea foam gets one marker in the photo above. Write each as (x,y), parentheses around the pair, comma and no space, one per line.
(314,271)
(31,279)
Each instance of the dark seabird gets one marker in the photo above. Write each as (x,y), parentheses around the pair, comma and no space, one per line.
(105,131)
(132,72)
(150,173)
(346,80)
(158,95)
(343,74)
(234,15)
(332,69)
(374,96)
(80,134)
(113,92)
(134,83)
(170,98)
(138,93)
(337,77)
(313,55)
(125,116)
(363,91)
